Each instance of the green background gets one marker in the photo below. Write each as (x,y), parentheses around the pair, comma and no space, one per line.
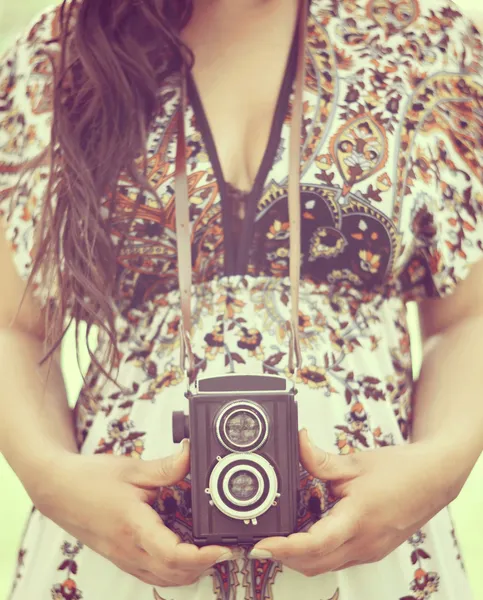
(15,504)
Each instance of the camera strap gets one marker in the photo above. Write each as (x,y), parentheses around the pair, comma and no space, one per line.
(183,235)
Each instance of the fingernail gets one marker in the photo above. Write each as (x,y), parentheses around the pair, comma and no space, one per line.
(260,554)
(224,557)
(307,435)
(182,448)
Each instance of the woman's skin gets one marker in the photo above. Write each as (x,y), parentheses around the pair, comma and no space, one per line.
(241,50)
(386,493)
(102,500)
(389,493)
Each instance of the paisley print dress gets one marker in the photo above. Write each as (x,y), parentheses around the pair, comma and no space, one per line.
(392,211)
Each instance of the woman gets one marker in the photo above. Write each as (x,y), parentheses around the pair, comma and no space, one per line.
(391,207)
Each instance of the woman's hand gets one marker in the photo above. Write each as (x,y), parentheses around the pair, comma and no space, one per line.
(386,495)
(104,501)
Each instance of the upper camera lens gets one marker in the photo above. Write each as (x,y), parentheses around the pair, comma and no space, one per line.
(242,426)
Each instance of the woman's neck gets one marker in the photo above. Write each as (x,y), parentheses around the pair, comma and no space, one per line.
(232,4)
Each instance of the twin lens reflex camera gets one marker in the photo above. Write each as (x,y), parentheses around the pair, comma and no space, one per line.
(243,431)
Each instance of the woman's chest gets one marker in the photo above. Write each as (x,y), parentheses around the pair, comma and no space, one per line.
(241,56)
(358,162)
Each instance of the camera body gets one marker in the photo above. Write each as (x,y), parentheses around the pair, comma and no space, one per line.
(243,432)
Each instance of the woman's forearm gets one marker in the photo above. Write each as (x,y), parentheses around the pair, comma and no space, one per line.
(34,427)
(448,401)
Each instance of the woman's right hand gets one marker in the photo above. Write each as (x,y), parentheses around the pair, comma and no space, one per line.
(104,501)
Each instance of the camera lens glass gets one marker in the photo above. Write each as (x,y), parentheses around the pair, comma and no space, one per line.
(243,485)
(242,428)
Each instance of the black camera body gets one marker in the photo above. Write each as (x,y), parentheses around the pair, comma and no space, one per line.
(243,432)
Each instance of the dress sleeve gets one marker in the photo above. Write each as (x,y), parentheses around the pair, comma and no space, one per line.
(443,179)
(26,79)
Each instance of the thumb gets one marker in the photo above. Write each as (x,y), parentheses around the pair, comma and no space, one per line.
(324,465)
(162,471)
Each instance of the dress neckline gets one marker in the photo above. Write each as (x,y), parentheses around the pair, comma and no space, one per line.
(236,259)
(233,189)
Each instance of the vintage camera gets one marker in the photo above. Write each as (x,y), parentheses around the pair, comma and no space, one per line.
(243,431)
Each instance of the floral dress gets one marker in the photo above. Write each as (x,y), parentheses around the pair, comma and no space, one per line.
(392,202)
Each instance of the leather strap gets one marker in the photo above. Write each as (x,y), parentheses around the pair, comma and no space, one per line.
(183,236)
(294,188)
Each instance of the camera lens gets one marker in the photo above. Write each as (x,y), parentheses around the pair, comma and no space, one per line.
(242,426)
(243,485)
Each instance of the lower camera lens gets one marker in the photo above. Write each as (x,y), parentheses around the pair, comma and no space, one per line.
(243,485)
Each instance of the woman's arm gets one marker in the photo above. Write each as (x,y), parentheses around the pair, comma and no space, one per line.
(35,429)
(448,400)
(102,500)
(388,493)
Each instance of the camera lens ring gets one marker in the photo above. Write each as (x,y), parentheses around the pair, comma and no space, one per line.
(236,510)
(228,412)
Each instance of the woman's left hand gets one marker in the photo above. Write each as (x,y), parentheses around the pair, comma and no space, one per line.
(386,495)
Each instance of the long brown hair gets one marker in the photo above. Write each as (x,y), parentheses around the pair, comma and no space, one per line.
(114,56)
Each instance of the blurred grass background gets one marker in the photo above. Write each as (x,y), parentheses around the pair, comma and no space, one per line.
(15,504)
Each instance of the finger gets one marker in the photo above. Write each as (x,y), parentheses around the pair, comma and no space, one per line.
(154,579)
(160,472)
(324,465)
(335,561)
(134,561)
(337,489)
(143,575)
(325,536)
(165,547)
(352,563)
(342,557)
(149,496)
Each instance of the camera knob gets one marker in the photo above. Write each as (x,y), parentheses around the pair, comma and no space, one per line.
(181,428)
